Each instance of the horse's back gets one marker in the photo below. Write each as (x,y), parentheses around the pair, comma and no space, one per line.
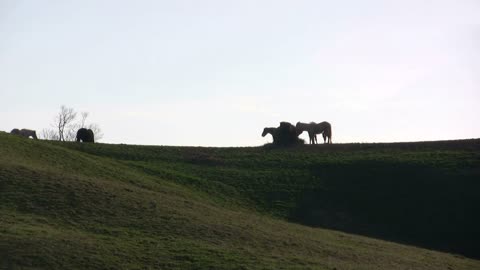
(324,125)
(24,132)
(27,131)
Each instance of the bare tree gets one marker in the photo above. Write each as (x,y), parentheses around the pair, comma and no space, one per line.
(64,120)
(65,126)
(84,116)
(97,131)
(49,134)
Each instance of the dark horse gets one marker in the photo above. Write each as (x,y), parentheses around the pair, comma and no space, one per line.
(85,135)
(27,133)
(285,134)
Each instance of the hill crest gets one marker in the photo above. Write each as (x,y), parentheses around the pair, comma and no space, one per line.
(69,205)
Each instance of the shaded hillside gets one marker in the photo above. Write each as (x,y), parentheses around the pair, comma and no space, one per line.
(422,193)
(69,205)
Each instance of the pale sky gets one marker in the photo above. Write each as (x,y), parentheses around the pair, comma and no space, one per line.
(215,73)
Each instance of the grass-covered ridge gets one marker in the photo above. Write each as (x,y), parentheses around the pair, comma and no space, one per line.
(68,205)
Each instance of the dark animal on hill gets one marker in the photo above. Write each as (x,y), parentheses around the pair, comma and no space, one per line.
(15,131)
(85,135)
(27,133)
(313,129)
(285,134)
(272,131)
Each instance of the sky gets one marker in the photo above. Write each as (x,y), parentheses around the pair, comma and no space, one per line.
(215,73)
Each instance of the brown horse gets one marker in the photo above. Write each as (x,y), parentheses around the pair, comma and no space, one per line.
(313,129)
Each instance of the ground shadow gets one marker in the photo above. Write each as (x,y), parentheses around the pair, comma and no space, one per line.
(409,204)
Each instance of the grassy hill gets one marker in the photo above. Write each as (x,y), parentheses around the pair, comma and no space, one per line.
(80,206)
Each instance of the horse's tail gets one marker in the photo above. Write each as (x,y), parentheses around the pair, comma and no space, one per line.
(330,132)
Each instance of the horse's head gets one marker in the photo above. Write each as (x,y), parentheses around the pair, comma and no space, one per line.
(265,132)
(299,128)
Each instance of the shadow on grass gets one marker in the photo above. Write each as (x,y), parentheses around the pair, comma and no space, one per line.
(408,203)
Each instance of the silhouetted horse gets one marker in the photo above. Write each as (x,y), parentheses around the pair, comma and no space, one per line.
(313,129)
(301,127)
(85,135)
(285,134)
(272,131)
(15,131)
(27,133)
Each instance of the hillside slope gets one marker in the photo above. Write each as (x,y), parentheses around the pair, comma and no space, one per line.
(78,206)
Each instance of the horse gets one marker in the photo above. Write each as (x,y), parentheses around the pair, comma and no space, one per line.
(15,131)
(27,133)
(309,128)
(272,131)
(313,129)
(85,135)
(285,134)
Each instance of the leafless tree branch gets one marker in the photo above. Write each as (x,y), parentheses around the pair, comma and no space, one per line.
(65,126)
(65,119)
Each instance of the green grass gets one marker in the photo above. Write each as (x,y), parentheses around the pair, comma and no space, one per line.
(100,206)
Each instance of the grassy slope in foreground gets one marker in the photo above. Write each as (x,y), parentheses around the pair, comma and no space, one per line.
(105,206)
(425,194)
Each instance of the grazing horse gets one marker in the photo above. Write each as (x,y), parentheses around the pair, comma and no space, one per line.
(85,135)
(313,129)
(15,131)
(27,133)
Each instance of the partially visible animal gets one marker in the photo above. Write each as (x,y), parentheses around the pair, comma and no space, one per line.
(15,131)
(309,128)
(288,133)
(313,129)
(85,135)
(272,131)
(285,134)
(27,133)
